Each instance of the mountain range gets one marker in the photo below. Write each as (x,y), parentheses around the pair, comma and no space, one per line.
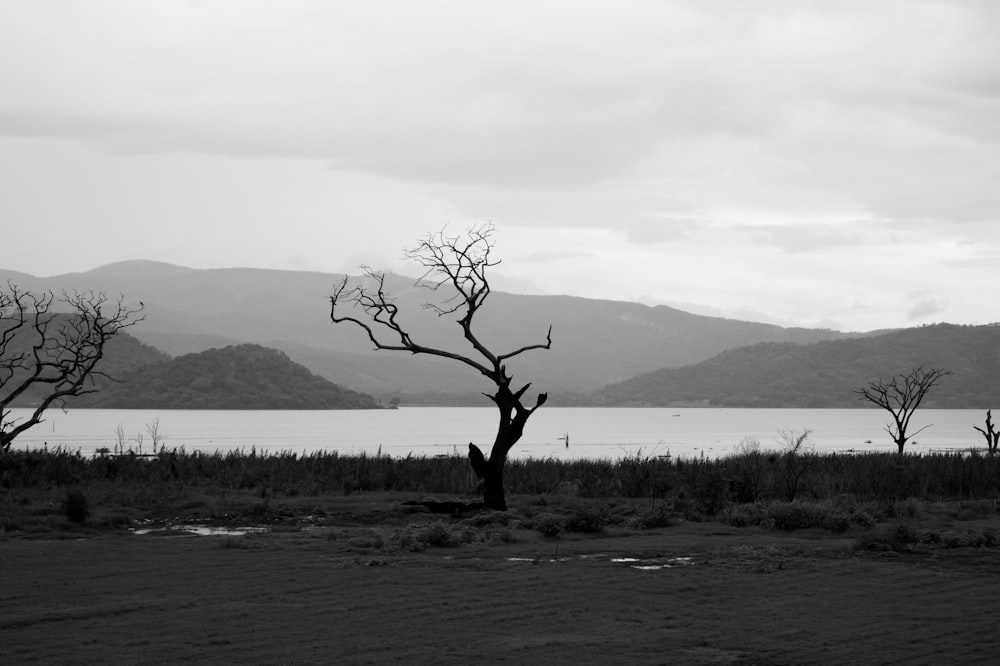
(594,342)
(828,373)
(603,352)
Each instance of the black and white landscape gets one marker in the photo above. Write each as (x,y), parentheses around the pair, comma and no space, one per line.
(604,353)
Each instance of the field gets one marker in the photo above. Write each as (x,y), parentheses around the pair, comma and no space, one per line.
(102,571)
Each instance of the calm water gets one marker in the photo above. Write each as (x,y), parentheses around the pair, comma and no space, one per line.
(593,433)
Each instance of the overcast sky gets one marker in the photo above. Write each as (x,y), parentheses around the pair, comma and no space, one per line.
(805,163)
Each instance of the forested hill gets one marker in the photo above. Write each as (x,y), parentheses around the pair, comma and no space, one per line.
(123,354)
(826,374)
(236,377)
(594,342)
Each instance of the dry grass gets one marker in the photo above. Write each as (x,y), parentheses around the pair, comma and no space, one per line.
(336,584)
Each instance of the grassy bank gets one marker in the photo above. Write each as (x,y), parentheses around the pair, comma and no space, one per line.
(785,490)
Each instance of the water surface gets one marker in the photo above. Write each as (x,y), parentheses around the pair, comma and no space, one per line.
(430,431)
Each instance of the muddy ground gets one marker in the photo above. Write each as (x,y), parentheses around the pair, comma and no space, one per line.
(334,591)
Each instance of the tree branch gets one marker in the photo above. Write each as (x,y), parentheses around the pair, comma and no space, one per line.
(59,351)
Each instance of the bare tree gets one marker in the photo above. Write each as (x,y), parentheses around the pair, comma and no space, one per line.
(990,433)
(455,266)
(796,459)
(50,349)
(900,396)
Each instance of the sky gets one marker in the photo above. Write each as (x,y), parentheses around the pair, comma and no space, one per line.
(826,164)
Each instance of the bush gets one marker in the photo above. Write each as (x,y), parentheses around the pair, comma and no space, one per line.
(498,535)
(647,520)
(973,510)
(790,516)
(443,535)
(908,508)
(586,519)
(75,507)
(863,518)
(549,525)
(743,515)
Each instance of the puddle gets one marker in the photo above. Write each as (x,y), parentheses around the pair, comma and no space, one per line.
(656,565)
(199,530)
(651,564)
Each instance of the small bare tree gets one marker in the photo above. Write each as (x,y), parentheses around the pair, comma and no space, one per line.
(50,349)
(990,433)
(796,459)
(900,396)
(455,264)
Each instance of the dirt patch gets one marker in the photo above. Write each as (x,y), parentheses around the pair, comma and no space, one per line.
(334,591)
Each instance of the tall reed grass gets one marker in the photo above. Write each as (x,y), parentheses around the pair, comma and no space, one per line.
(748,476)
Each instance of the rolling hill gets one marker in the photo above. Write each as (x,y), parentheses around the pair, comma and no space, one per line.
(237,377)
(826,374)
(123,354)
(595,342)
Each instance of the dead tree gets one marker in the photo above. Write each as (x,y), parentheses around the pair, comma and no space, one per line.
(50,349)
(900,396)
(992,436)
(796,460)
(455,264)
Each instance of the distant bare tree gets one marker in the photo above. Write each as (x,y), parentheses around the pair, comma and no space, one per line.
(50,349)
(900,396)
(796,459)
(992,435)
(457,267)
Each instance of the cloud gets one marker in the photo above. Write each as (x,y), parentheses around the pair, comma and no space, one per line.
(789,107)
(549,256)
(709,149)
(926,306)
(528,97)
(801,238)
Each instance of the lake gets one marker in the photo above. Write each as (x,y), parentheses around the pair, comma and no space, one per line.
(430,431)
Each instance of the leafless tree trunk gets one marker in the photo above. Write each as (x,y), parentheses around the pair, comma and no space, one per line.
(54,351)
(992,436)
(459,264)
(900,396)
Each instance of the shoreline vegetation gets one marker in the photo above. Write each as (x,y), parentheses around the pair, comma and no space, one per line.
(761,557)
(749,487)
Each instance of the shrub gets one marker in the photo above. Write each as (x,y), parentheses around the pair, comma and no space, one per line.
(790,516)
(586,519)
(498,535)
(747,466)
(549,525)
(407,541)
(711,487)
(443,535)
(647,520)
(75,507)
(972,510)
(743,515)
(863,518)
(908,508)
